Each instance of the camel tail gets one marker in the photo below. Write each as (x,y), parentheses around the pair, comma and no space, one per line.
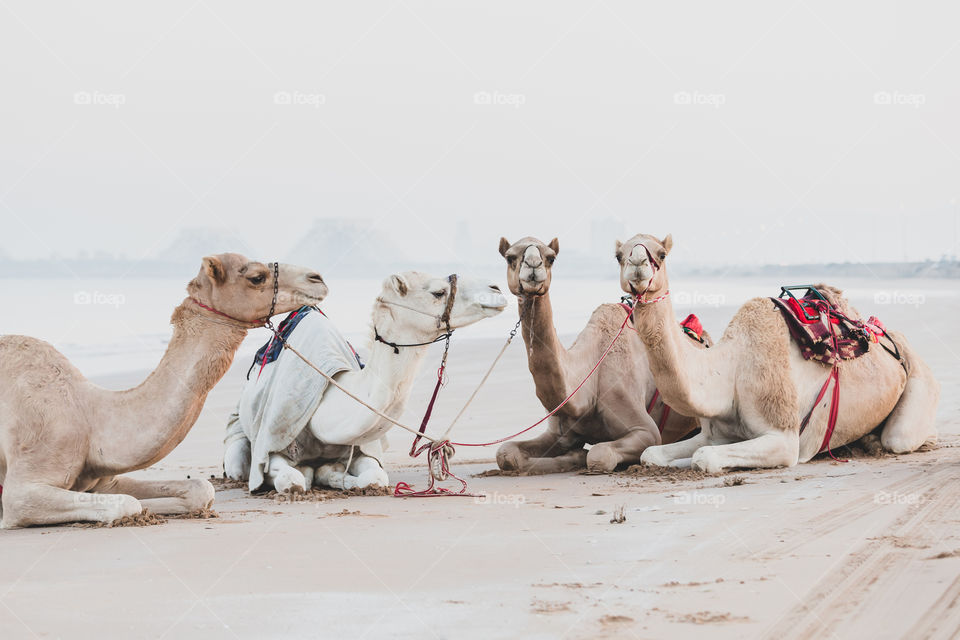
(912,423)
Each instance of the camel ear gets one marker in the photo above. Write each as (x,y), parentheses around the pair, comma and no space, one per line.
(215,269)
(399,284)
(555,245)
(618,251)
(504,245)
(667,242)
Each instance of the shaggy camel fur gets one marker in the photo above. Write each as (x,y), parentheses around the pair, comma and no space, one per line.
(64,442)
(610,410)
(753,388)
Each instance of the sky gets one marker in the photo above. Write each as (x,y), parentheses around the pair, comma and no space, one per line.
(754,132)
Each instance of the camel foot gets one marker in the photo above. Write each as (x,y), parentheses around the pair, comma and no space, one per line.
(372,478)
(682,463)
(509,457)
(655,456)
(706,459)
(602,458)
(290,480)
(236,460)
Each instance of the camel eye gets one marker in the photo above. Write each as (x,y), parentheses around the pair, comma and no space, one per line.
(550,260)
(257,280)
(439,294)
(662,257)
(511,260)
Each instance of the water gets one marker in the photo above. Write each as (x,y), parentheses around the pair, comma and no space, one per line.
(107,326)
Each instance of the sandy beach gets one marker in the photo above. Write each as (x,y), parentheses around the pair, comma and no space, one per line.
(866,548)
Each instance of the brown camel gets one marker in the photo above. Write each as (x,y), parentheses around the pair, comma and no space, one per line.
(610,411)
(753,388)
(64,442)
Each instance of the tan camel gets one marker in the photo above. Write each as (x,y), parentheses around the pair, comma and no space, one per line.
(610,411)
(753,388)
(64,441)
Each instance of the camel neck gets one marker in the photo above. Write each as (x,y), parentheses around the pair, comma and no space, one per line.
(143,424)
(673,359)
(545,354)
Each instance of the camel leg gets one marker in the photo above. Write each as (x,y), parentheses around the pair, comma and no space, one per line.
(284,476)
(28,504)
(606,456)
(666,455)
(548,453)
(912,423)
(161,496)
(772,449)
(236,454)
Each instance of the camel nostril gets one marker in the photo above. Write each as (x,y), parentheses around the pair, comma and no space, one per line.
(495,288)
(315,277)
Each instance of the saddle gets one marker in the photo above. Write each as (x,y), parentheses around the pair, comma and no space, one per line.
(826,334)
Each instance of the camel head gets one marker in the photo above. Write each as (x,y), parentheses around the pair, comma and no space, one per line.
(242,289)
(642,267)
(529,265)
(412,305)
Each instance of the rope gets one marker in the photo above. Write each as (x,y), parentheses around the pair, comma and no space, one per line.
(559,406)
(483,381)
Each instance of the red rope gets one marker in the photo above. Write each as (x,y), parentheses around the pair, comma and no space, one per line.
(439,452)
(559,406)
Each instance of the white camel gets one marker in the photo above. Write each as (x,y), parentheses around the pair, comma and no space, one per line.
(413,310)
(752,390)
(64,442)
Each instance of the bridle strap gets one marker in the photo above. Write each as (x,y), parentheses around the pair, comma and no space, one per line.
(642,299)
(443,320)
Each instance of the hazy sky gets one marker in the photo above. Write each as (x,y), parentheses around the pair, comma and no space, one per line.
(744,128)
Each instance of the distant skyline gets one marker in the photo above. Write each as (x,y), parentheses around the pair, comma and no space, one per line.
(758,133)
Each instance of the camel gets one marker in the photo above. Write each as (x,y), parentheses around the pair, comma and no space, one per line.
(65,442)
(752,390)
(412,311)
(610,411)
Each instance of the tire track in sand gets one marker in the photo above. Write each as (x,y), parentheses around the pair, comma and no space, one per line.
(874,569)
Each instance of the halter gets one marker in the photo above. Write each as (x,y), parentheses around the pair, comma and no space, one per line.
(641,298)
(443,320)
(264,322)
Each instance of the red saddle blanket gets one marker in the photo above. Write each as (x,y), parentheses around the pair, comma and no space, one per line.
(824,333)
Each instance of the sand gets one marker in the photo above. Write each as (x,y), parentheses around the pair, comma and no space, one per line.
(867,548)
